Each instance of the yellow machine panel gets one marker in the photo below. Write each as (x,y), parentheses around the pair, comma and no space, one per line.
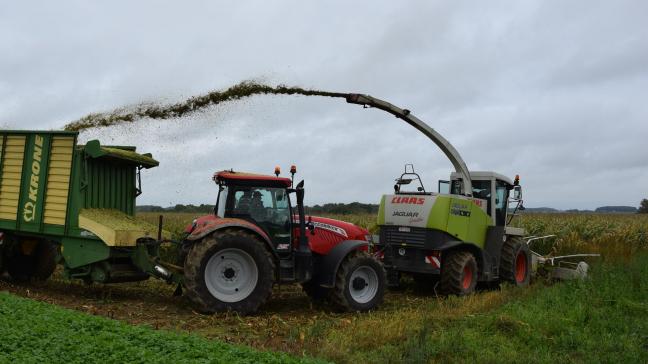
(12,163)
(58,180)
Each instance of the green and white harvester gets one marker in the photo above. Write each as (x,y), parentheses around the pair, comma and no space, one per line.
(461,234)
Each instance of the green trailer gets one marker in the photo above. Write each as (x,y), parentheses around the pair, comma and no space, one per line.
(74,204)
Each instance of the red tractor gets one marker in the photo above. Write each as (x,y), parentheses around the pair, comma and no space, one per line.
(256,237)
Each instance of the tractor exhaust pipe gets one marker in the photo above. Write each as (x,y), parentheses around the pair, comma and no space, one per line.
(303,255)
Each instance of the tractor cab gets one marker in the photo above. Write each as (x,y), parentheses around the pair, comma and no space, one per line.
(256,238)
(492,187)
(260,199)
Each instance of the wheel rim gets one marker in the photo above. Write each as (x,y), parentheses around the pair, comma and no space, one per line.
(231,275)
(520,267)
(467,277)
(363,284)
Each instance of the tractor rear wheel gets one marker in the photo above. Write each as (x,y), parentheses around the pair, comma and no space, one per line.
(359,283)
(229,270)
(515,262)
(36,260)
(458,273)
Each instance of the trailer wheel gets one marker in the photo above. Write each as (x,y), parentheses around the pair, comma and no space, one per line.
(458,273)
(39,265)
(359,284)
(229,270)
(515,262)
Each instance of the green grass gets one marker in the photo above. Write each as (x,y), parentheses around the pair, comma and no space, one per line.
(36,332)
(603,319)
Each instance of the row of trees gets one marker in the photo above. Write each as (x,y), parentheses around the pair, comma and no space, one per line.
(343,208)
(643,206)
(177,208)
(329,208)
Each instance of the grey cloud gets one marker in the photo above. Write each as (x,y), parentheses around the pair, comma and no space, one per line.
(551,90)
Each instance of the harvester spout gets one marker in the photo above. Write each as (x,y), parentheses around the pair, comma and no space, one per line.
(440,141)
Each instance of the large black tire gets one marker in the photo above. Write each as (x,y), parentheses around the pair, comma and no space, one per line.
(515,262)
(316,292)
(458,273)
(359,283)
(218,291)
(37,266)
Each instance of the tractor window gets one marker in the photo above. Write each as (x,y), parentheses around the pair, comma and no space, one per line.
(266,207)
(220,203)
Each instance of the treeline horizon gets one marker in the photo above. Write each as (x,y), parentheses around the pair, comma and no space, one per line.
(365,208)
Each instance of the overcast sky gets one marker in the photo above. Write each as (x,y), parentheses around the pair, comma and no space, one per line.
(554,91)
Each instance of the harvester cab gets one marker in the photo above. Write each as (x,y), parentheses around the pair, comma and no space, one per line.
(497,190)
(257,237)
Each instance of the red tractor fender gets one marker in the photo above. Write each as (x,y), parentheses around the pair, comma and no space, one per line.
(326,266)
(207,224)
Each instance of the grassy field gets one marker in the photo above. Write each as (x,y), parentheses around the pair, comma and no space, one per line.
(35,332)
(599,320)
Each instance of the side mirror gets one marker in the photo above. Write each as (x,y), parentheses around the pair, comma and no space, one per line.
(517,192)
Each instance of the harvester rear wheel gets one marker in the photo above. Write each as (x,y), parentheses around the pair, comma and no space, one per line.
(458,273)
(515,262)
(359,283)
(229,270)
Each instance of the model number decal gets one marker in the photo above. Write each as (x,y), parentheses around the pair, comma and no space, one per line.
(329,227)
(405,213)
(460,209)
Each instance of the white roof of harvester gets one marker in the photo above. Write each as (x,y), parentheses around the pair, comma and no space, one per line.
(483,175)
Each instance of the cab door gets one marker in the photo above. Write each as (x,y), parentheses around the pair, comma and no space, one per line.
(501,202)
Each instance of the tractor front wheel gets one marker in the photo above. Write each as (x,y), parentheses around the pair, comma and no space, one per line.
(229,270)
(359,283)
(458,273)
(515,262)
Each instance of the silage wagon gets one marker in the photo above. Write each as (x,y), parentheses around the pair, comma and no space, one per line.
(75,204)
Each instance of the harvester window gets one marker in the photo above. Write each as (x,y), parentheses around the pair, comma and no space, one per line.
(482,190)
(501,199)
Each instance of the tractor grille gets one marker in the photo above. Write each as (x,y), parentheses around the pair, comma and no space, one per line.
(392,235)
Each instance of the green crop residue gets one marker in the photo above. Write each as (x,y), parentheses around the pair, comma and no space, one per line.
(36,332)
(191,105)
